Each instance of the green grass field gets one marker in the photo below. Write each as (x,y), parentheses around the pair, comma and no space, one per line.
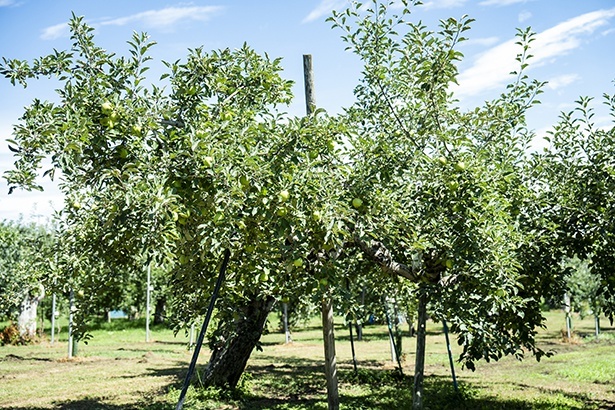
(119,370)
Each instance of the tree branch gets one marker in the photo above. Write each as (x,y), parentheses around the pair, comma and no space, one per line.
(378,253)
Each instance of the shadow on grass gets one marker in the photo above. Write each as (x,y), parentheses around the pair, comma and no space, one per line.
(97,404)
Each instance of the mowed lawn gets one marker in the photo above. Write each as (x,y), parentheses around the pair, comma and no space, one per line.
(119,370)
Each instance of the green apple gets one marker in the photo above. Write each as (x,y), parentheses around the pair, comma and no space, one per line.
(448,263)
(316,215)
(313,154)
(208,161)
(282,212)
(453,185)
(323,282)
(136,129)
(442,160)
(244,181)
(263,277)
(298,262)
(106,107)
(283,195)
(357,203)
(460,166)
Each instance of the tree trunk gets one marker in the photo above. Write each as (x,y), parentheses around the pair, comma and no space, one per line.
(419,367)
(228,362)
(333,398)
(159,310)
(26,322)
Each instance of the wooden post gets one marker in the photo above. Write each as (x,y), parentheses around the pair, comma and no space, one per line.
(419,366)
(327,304)
(308,76)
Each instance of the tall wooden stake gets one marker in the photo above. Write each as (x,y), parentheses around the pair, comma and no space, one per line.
(419,366)
(327,304)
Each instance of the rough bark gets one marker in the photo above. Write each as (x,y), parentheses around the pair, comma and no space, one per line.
(159,310)
(333,398)
(26,322)
(228,362)
(419,366)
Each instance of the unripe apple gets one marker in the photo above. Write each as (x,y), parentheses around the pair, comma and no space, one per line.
(442,160)
(460,166)
(263,277)
(298,262)
(244,181)
(282,212)
(208,161)
(284,195)
(106,107)
(357,203)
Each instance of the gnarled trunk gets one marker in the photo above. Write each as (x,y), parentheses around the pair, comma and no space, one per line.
(228,361)
(26,322)
(159,310)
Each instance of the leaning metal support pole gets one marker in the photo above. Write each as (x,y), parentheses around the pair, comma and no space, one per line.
(53,318)
(71,307)
(148,297)
(394,351)
(354,357)
(199,342)
(450,356)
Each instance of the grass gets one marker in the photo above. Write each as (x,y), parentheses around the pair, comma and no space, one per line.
(119,370)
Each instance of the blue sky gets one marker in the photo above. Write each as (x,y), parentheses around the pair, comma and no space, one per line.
(574,51)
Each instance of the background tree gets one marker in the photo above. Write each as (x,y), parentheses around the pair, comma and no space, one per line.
(25,250)
(576,173)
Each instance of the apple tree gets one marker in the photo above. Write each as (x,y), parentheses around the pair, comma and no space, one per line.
(180,174)
(24,272)
(444,199)
(577,179)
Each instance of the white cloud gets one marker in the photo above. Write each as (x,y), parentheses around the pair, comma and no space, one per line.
(324,8)
(490,69)
(500,2)
(562,81)
(524,16)
(165,18)
(485,41)
(57,31)
(6,3)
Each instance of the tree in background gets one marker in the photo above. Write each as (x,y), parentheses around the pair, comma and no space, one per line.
(25,250)
(577,179)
